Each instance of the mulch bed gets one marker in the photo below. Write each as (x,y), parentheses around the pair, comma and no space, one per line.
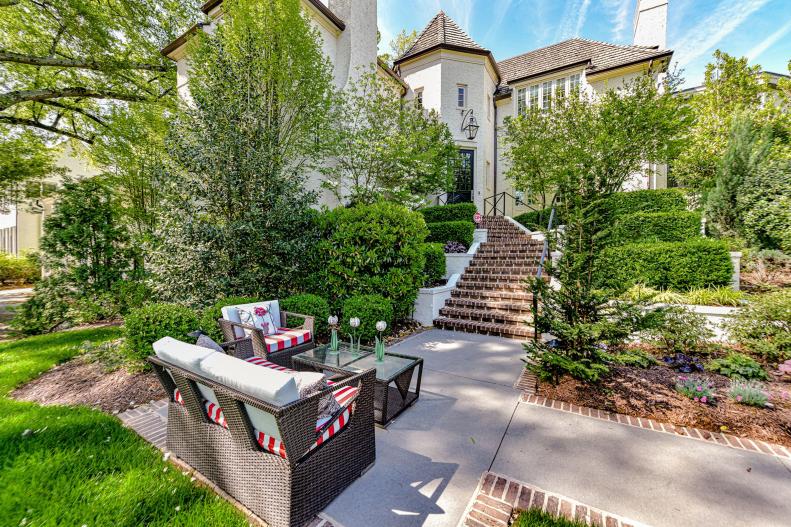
(651,393)
(79,382)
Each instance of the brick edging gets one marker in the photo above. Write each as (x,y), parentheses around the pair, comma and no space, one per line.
(717,438)
(497,498)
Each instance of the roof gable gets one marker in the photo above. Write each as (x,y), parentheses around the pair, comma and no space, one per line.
(442,31)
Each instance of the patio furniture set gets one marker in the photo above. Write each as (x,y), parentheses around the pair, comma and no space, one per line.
(281,425)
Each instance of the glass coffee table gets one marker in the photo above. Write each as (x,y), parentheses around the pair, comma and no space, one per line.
(394,375)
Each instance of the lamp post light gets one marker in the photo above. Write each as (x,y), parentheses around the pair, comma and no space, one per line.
(469,124)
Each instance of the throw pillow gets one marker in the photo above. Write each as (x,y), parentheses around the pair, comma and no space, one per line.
(328,407)
(261,318)
(206,341)
(308,383)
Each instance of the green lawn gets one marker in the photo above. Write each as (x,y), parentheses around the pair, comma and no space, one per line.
(76,466)
(536,518)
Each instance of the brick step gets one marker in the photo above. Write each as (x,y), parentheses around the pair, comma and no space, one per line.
(506,261)
(467,284)
(497,279)
(481,294)
(500,270)
(484,328)
(511,306)
(480,315)
(514,252)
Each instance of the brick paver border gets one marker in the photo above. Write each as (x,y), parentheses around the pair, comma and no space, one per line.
(528,384)
(498,498)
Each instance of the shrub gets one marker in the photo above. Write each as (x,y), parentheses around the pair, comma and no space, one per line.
(738,366)
(765,198)
(308,304)
(451,231)
(641,227)
(146,325)
(696,388)
(751,393)
(679,330)
(669,265)
(714,296)
(538,220)
(208,319)
(455,248)
(683,363)
(130,294)
(370,309)
(454,212)
(373,249)
(19,268)
(620,204)
(435,266)
(634,357)
(764,326)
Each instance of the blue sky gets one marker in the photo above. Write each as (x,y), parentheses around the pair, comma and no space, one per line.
(758,29)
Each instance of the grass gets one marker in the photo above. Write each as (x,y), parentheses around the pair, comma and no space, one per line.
(76,466)
(537,518)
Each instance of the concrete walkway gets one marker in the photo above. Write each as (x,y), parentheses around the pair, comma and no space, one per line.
(430,460)
(9,300)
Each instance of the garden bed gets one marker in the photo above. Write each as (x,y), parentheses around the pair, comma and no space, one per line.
(651,393)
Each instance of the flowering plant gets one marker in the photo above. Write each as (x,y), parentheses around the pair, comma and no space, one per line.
(751,393)
(354,323)
(696,388)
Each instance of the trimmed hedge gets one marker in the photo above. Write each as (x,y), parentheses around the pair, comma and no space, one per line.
(662,200)
(148,324)
(670,265)
(435,266)
(210,315)
(307,304)
(451,231)
(643,227)
(370,309)
(537,220)
(454,212)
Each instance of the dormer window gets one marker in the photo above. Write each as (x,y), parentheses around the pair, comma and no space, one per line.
(461,95)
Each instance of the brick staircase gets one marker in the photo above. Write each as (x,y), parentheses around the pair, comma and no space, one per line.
(490,297)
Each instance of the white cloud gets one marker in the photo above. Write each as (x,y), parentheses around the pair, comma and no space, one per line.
(574,15)
(619,10)
(705,35)
(500,10)
(768,42)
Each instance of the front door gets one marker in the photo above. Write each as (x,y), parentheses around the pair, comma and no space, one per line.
(465,175)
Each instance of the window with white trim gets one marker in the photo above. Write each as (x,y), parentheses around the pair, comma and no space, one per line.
(574,83)
(521,101)
(461,90)
(560,88)
(533,96)
(546,95)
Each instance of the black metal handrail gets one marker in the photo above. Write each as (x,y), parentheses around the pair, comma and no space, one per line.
(542,260)
(496,203)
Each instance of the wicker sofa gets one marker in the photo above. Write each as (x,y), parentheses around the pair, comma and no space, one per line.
(278,348)
(285,480)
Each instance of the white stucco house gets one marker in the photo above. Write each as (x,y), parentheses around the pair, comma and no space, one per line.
(447,71)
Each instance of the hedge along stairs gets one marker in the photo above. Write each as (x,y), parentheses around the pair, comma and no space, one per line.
(491,297)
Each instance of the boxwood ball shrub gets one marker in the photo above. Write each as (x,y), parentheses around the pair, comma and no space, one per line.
(372,249)
(210,315)
(670,265)
(308,304)
(370,309)
(146,325)
(451,231)
(454,212)
(641,227)
(435,267)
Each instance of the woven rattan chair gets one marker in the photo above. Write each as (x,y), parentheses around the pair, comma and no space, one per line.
(234,330)
(284,492)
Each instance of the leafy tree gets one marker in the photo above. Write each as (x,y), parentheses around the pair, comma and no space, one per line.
(731,87)
(748,146)
(387,149)
(236,217)
(765,199)
(591,148)
(26,160)
(399,45)
(64,65)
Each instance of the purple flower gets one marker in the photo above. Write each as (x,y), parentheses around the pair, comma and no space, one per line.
(699,388)
(696,399)
(704,399)
(738,398)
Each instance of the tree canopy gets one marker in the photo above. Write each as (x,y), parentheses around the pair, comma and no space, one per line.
(64,65)
(399,45)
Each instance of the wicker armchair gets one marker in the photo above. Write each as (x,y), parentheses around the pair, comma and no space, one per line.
(233,330)
(284,492)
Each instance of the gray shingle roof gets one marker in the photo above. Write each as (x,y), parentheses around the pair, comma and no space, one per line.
(596,56)
(441,31)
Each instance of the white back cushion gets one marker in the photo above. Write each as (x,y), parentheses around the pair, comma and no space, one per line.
(187,356)
(232,313)
(272,386)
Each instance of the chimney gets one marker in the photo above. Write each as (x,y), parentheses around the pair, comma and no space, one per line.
(650,23)
(356,51)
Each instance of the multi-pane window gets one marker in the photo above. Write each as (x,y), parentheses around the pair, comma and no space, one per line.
(534,96)
(462,95)
(419,97)
(546,95)
(521,101)
(574,83)
(560,88)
